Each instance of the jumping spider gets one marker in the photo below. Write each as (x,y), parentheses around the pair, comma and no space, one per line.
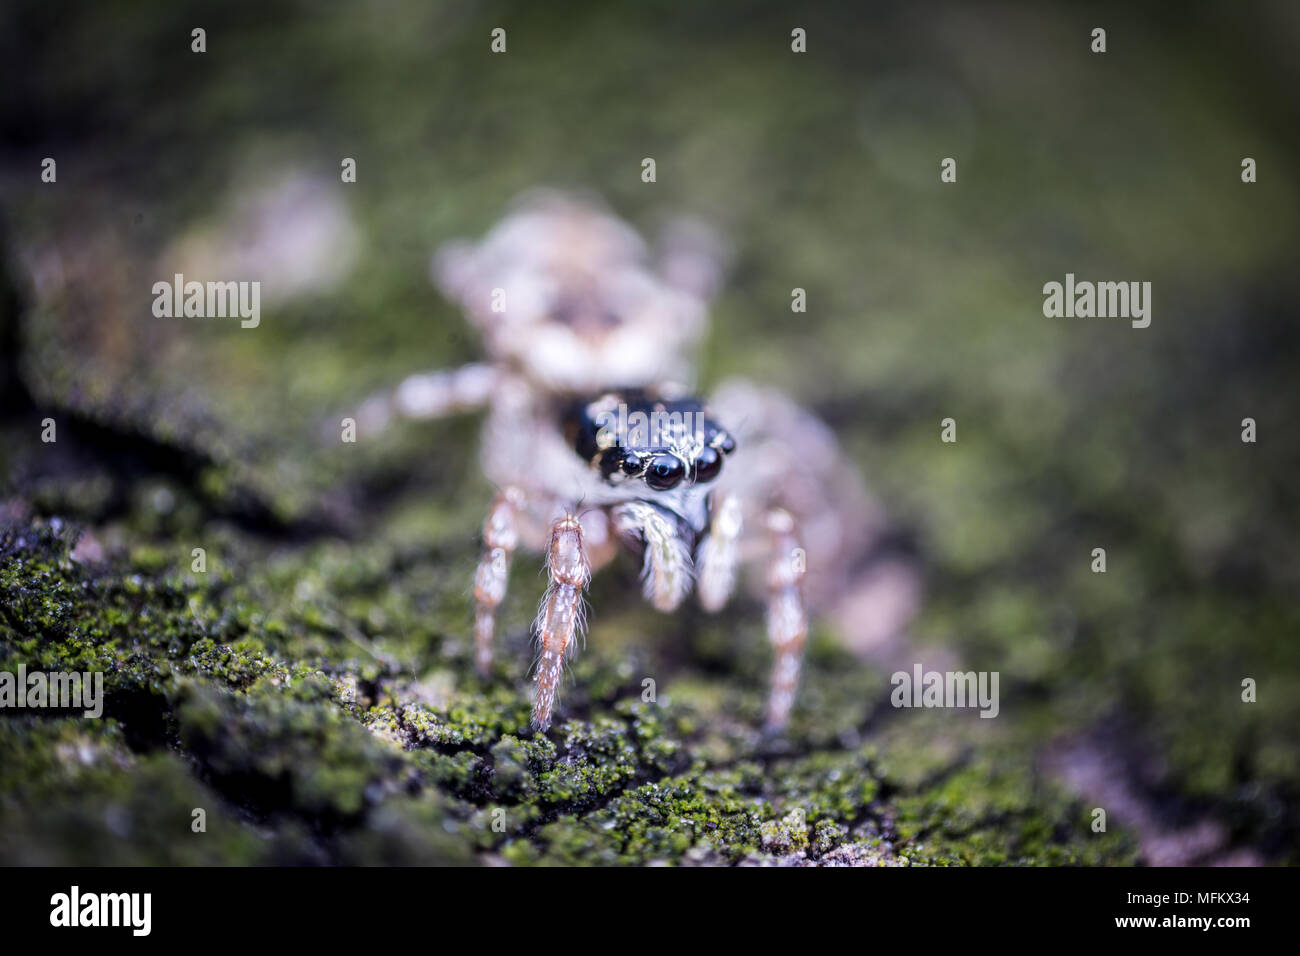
(585,336)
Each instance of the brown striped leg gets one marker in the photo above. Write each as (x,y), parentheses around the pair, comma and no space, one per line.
(787,624)
(500,538)
(560,617)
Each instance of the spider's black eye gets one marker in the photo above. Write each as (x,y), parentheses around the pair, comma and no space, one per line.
(725,444)
(707,465)
(631,463)
(664,472)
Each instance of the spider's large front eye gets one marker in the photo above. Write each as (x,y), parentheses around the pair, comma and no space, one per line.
(664,472)
(708,464)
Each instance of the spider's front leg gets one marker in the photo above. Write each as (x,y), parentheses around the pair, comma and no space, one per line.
(560,617)
(787,623)
(429,395)
(500,538)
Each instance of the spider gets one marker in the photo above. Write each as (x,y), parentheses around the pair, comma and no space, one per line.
(595,440)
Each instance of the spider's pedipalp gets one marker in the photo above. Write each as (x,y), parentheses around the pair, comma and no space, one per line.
(560,616)
(666,571)
(716,556)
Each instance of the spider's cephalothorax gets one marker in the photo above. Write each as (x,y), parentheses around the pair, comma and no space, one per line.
(595,443)
(632,436)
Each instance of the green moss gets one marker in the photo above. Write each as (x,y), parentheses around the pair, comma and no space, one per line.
(340,753)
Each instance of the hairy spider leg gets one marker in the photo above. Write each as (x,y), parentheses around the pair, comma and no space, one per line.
(560,616)
(787,623)
(500,538)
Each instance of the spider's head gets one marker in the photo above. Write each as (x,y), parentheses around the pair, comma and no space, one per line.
(567,294)
(662,444)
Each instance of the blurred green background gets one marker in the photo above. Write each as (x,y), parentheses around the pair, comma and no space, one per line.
(822,170)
